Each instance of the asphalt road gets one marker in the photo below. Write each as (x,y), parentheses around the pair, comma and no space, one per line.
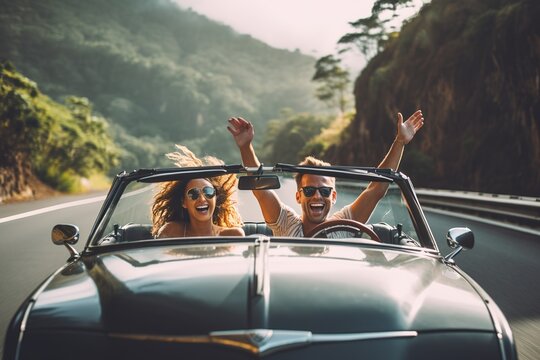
(504,262)
(27,254)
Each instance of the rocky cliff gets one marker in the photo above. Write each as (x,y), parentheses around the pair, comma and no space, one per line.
(473,67)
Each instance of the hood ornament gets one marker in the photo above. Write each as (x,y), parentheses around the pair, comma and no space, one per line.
(261,341)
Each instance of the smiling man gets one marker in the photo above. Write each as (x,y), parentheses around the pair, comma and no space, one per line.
(317,194)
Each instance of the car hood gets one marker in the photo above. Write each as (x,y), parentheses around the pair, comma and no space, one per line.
(185,290)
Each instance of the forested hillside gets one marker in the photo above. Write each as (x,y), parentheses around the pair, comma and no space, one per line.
(158,73)
(58,143)
(473,67)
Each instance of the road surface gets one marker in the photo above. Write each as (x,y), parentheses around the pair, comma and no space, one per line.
(504,262)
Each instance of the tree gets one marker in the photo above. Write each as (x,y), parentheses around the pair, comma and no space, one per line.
(373,32)
(334,81)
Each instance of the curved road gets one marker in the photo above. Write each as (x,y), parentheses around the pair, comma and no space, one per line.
(504,262)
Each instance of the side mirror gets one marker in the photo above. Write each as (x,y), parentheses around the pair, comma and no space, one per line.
(460,238)
(67,235)
(258,182)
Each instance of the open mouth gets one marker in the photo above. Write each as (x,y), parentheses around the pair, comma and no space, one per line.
(316,209)
(202,208)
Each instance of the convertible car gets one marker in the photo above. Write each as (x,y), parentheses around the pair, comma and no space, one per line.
(348,290)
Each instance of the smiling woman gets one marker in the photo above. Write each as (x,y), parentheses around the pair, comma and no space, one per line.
(196,207)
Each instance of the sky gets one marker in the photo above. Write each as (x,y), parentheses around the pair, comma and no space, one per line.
(312,26)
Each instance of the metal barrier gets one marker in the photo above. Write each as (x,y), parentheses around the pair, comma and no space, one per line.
(514,209)
(518,210)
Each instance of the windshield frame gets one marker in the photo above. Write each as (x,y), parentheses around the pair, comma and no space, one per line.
(404,183)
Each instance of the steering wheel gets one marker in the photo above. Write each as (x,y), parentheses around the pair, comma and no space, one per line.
(356,228)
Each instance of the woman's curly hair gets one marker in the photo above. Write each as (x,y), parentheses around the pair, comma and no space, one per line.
(168,200)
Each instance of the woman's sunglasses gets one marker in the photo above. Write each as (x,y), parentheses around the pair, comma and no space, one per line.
(309,191)
(208,192)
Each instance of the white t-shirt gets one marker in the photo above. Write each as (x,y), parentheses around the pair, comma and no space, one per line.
(289,223)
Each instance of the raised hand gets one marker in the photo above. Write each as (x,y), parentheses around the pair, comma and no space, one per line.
(406,130)
(241,130)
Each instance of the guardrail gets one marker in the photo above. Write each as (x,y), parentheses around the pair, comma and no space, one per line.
(513,209)
(517,210)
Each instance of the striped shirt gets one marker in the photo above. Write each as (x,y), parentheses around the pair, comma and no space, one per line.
(289,223)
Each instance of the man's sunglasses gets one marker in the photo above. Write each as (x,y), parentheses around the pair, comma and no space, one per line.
(309,191)
(208,192)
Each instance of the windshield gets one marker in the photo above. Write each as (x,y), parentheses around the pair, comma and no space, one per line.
(129,217)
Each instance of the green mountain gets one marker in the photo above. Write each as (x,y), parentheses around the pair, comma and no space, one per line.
(160,74)
(473,67)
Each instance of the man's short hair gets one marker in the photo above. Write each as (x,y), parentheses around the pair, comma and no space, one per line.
(309,161)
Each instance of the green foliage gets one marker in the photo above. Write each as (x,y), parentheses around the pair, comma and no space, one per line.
(329,136)
(285,138)
(373,32)
(220,144)
(334,81)
(60,143)
(18,121)
(139,152)
(157,70)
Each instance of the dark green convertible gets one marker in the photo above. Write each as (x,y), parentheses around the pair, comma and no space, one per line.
(379,290)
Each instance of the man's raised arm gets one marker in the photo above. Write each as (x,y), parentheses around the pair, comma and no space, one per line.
(366,202)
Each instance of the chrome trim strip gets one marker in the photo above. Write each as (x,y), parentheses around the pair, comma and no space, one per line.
(255,169)
(22,329)
(30,307)
(261,275)
(265,341)
(363,336)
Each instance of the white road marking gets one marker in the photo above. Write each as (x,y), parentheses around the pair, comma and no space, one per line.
(53,208)
(483,220)
(70,204)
